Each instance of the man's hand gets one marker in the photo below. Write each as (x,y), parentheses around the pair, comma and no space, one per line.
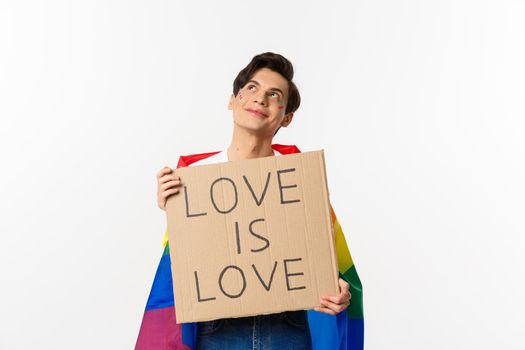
(333,305)
(166,186)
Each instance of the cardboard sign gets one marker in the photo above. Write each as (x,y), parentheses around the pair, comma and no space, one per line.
(251,237)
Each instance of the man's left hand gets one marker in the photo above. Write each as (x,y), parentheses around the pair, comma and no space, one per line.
(333,305)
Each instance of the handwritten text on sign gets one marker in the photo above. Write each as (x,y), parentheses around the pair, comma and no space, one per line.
(258,199)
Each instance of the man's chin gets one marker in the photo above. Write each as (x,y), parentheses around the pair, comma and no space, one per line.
(261,130)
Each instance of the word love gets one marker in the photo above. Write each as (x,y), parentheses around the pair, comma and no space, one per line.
(230,185)
(236,272)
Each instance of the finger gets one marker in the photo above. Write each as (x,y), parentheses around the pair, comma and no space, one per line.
(339,299)
(325,310)
(337,308)
(167,178)
(170,184)
(343,285)
(169,192)
(163,171)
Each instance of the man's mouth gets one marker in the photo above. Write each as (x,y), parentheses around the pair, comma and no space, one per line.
(257,112)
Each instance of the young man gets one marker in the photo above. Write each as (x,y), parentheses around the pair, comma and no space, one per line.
(264,99)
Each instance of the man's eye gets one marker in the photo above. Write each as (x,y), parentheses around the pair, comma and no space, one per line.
(251,87)
(274,95)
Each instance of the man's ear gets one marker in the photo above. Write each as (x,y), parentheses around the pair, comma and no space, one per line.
(230,103)
(287,120)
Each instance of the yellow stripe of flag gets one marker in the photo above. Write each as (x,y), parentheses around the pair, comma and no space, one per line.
(344,258)
(165,240)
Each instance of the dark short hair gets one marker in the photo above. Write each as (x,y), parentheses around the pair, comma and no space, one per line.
(278,64)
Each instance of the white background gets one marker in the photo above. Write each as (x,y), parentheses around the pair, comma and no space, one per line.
(419,106)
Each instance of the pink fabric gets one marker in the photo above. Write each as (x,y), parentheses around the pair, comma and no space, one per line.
(160,330)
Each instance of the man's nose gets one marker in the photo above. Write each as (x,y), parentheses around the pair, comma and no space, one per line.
(261,98)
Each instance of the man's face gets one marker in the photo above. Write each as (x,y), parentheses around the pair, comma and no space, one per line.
(260,105)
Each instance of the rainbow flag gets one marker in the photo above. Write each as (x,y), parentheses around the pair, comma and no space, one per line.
(160,330)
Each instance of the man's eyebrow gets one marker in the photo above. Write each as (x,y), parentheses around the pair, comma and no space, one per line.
(257,83)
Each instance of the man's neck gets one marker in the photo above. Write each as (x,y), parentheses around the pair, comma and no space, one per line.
(247,145)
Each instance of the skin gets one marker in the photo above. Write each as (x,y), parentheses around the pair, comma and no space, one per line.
(258,111)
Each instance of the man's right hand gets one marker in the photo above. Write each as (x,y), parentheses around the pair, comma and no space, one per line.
(166,186)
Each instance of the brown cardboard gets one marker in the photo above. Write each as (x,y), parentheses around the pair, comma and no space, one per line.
(221,268)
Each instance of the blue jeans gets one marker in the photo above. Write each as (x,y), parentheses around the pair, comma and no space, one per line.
(286,330)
